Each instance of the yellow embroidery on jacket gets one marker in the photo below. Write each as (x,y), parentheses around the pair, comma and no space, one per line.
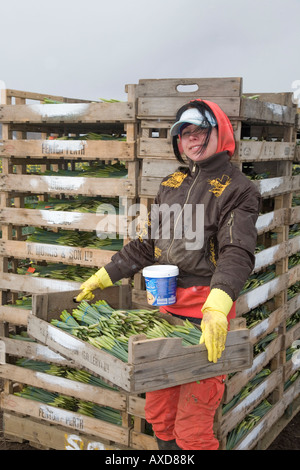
(175,179)
(157,252)
(218,185)
(212,252)
(143,232)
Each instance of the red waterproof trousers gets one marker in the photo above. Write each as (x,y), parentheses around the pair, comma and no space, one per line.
(186,412)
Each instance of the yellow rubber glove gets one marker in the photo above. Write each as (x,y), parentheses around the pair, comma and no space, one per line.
(214,324)
(99,280)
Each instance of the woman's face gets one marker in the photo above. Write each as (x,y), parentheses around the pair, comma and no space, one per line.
(192,141)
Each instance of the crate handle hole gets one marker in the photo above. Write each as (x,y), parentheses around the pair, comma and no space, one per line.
(191,88)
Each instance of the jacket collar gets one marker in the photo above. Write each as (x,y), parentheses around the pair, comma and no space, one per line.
(211,164)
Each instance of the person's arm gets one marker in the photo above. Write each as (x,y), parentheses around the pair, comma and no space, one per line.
(237,238)
(125,263)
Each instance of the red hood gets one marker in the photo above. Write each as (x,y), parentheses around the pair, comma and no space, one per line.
(226,141)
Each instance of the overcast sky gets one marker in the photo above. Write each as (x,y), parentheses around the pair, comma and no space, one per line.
(91,49)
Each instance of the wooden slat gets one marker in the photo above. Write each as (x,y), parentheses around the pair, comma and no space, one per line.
(233,417)
(69,419)
(35,285)
(269,420)
(69,149)
(34,351)
(14,315)
(44,434)
(82,353)
(166,108)
(108,223)
(40,184)
(260,111)
(251,151)
(228,86)
(27,95)
(99,395)
(68,113)
(55,253)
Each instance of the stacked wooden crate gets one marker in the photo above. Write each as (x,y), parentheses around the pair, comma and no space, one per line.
(20,151)
(264,127)
(49,132)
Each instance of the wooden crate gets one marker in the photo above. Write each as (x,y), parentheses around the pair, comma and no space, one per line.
(153,364)
(61,427)
(24,113)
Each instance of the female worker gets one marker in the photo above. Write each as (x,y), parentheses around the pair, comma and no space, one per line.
(214,262)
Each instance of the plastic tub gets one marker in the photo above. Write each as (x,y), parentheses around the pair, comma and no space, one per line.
(161,284)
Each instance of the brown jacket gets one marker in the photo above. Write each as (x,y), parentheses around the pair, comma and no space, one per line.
(203,221)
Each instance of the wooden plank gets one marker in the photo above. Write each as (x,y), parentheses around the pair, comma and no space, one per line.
(55,253)
(83,354)
(153,107)
(35,285)
(40,184)
(158,168)
(260,111)
(294,215)
(227,86)
(109,223)
(270,220)
(100,396)
(68,113)
(284,99)
(14,315)
(269,420)
(234,416)
(69,149)
(252,151)
(44,434)
(239,380)
(68,419)
(261,294)
(27,95)
(49,306)
(275,253)
(34,351)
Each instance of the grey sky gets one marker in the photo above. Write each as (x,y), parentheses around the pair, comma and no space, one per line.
(91,49)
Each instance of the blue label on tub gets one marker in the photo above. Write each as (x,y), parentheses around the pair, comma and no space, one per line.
(161,291)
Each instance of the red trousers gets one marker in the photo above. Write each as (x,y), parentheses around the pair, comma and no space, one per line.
(186,412)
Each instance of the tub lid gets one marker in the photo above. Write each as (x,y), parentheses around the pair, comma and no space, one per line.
(161,270)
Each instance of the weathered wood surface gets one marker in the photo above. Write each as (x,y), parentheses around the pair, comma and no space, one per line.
(108,223)
(166,108)
(73,186)
(35,285)
(233,417)
(99,395)
(174,87)
(68,113)
(69,419)
(55,253)
(265,424)
(69,149)
(42,433)
(245,151)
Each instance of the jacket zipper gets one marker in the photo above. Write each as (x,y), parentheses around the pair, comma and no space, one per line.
(179,216)
(230,224)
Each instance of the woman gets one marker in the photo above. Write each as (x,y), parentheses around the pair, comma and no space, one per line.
(214,262)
